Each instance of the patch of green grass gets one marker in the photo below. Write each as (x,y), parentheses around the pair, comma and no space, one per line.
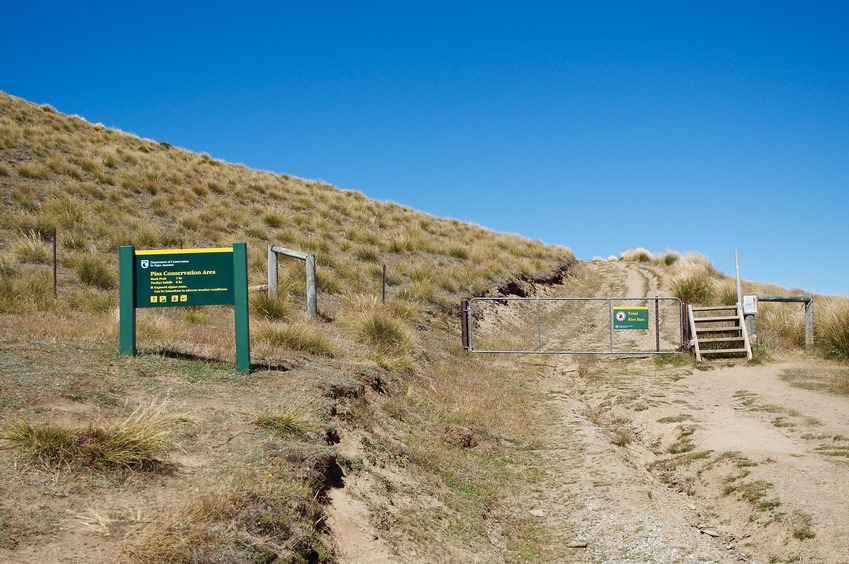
(834,380)
(840,451)
(289,422)
(675,418)
(802,525)
(683,443)
(673,360)
(783,422)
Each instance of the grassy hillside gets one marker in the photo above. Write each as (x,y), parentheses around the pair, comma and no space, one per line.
(170,456)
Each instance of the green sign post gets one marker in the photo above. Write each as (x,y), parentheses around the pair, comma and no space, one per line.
(185,277)
(630,318)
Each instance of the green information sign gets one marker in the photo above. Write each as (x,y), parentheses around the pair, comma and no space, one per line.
(191,277)
(185,277)
(630,318)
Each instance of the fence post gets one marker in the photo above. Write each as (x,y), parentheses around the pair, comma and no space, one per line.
(464,324)
(272,272)
(383,287)
(312,300)
(809,323)
(55,268)
(657,323)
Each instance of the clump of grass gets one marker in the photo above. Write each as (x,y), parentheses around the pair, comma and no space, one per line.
(303,337)
(367,254)
(21,293)
(833,330)
(268,307)
(383,329)
(93,270)
(290,422)
(32,248)
(274,219)
(458,252)
(726,291)
(675,418)
(250,519)
(802,525)
(684,443)
(34,171)
(637,255)
(693,279)
(139,441)
(668,258)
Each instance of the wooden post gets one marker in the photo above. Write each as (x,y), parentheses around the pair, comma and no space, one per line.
(809,312)
(809,324)
(312,300)
(464,324)
(272,272)
(312,295)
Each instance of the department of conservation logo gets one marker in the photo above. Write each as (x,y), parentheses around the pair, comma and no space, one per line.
(145,263)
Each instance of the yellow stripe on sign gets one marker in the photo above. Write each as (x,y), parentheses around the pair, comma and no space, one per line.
(186,251)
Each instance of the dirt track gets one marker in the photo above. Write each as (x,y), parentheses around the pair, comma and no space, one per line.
(676,464)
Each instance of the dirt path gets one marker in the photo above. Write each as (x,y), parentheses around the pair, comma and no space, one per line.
(667,461)
(673,464)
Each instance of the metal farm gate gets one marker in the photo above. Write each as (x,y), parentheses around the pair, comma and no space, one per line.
(573,325)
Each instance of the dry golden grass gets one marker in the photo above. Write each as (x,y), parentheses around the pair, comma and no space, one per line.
(141,440)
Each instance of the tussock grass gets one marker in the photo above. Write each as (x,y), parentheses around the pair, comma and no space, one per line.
(267,307)
(297,336)
(833,329)
(32,248)
(253,518)
(140,441)
(637,255)
(694,279)
(289,422)
(96,272)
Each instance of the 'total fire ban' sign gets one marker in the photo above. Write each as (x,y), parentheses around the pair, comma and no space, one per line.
(185,277)
(630,318)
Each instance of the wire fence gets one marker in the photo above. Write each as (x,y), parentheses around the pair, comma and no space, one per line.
(575,325)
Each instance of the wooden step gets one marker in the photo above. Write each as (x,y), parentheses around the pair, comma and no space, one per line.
(716,318)
(715,308)
(723,351)
(721,340)
(717,329)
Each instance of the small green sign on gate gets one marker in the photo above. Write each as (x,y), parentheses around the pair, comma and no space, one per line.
(185,277)
(630,317)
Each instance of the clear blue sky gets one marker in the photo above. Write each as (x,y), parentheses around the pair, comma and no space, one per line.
(601,126)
